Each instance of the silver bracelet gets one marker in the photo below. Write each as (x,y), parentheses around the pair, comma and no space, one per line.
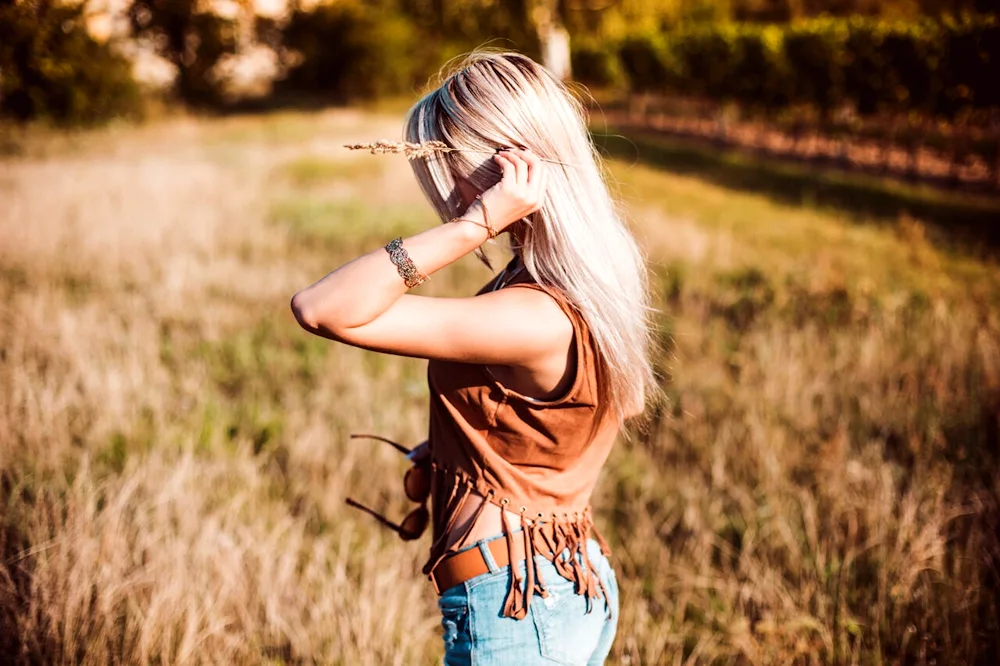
(404,265)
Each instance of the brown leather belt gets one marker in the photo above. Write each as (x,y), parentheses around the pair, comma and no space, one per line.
(468,564)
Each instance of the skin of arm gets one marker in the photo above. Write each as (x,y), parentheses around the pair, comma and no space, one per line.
(364,302)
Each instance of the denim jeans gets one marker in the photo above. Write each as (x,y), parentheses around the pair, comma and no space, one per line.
(557,630)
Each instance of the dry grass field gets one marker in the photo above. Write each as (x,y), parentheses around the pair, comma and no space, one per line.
(821,485)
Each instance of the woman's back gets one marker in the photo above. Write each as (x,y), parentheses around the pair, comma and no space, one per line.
(498,450)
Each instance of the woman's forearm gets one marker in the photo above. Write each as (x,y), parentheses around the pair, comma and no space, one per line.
(361,290)
(358,292)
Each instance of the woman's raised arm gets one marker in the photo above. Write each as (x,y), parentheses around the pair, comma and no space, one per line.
(362,303)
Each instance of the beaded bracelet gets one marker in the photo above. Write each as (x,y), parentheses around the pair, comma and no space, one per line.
(404,265)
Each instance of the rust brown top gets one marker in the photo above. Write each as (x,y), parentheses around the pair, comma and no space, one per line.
(539,458)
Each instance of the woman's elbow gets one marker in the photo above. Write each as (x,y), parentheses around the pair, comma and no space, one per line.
(305,313)
(313,319)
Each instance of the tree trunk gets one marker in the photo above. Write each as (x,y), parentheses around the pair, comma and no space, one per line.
(553,38)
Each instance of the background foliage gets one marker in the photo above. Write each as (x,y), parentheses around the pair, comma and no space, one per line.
(188,36)
(940,68)
(913,55)
(51,68)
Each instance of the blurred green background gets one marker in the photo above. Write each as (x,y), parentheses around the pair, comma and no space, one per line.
(86,61)
(906,87)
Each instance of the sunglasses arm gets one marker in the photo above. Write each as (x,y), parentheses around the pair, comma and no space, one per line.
(399,447)
(377,516)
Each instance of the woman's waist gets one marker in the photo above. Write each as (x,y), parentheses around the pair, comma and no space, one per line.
(535,492)
(479,518)
(468,528)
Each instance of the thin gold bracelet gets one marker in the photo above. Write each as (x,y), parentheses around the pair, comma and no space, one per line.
(490,229)
(404,265)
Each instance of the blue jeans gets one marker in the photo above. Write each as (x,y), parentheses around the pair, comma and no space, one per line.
(557,630)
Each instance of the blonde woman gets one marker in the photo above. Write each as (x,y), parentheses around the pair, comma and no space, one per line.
(530,379)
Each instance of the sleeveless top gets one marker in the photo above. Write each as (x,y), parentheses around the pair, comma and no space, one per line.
(539,458)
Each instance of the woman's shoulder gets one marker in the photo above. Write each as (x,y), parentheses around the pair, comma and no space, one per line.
(515,278)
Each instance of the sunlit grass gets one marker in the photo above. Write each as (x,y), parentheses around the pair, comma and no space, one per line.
(820,487)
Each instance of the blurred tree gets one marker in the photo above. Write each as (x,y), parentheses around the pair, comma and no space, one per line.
(610,18)
(190,37)
(553,37)
(351,50)
(50,67)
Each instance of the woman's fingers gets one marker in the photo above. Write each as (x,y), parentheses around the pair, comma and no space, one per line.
(520,166)
(519,172)
(521,189)
(506,167)
(535,177)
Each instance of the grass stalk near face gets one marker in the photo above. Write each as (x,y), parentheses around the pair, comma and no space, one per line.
(414,151)
(821,487)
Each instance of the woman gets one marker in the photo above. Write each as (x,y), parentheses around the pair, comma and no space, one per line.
(530,380)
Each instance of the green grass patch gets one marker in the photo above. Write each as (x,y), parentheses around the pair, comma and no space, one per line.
(353,223)
(265,361)
(256,374)
(273,128)
(312,171)
(964,221)
(791,241)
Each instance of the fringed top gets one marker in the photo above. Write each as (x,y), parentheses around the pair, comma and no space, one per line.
(538,458)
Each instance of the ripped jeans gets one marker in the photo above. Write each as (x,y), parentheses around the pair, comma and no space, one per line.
(557,630)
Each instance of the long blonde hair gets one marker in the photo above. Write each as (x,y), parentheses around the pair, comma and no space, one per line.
(577,242)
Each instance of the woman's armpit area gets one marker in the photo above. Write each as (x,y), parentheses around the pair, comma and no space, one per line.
(551,381)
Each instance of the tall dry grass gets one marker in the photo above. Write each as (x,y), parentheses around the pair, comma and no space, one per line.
(820,488)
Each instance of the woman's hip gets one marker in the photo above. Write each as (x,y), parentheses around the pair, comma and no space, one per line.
(561,627)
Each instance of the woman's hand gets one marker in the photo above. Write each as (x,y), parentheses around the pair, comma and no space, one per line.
(519,193)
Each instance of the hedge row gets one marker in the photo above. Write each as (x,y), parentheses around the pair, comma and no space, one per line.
(937,68)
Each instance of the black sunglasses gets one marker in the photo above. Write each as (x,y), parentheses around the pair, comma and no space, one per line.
(416,485)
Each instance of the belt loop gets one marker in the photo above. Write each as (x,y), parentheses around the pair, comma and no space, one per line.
(484,549)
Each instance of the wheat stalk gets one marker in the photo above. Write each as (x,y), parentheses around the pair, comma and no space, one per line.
(422,149)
